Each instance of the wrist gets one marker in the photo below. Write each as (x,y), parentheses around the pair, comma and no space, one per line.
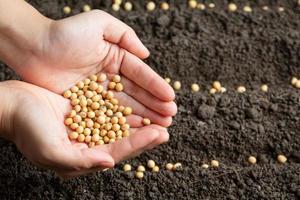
(21,36)
(7,110)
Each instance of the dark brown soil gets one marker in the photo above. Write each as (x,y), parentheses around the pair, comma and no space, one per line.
(199,46)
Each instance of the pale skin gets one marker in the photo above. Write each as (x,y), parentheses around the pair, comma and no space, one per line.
(52,56)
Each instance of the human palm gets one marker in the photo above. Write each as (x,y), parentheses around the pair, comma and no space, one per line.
(40,134)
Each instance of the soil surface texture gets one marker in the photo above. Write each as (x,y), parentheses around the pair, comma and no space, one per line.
(250,49)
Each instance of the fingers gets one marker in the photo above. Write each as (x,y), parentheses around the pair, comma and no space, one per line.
(141,110)
(143,96)
(117,32)
(140,73)
(140,140)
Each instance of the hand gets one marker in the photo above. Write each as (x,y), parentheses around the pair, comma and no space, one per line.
(93,42)
(61,53)
(35,123)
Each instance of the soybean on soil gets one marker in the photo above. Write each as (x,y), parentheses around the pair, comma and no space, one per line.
(250,49)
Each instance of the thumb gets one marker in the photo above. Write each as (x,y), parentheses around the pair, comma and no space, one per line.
(89,161)
(95,158)
(78,159)
(117,32)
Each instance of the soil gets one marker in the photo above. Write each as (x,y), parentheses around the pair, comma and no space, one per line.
(198,46)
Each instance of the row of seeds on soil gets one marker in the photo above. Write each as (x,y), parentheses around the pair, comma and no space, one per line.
(217,87)
(152,166)
(231,7)
(193,4)
(96,117)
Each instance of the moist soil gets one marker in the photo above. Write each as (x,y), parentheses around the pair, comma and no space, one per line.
(198,46)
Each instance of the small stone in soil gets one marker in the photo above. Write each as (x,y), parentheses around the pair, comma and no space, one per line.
(206,112)
(252,113)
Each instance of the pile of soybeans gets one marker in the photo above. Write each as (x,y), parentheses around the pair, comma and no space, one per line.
(96,117)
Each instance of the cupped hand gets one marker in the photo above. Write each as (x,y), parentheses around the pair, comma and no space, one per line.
(93,42)
(71,50)
(40,134)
